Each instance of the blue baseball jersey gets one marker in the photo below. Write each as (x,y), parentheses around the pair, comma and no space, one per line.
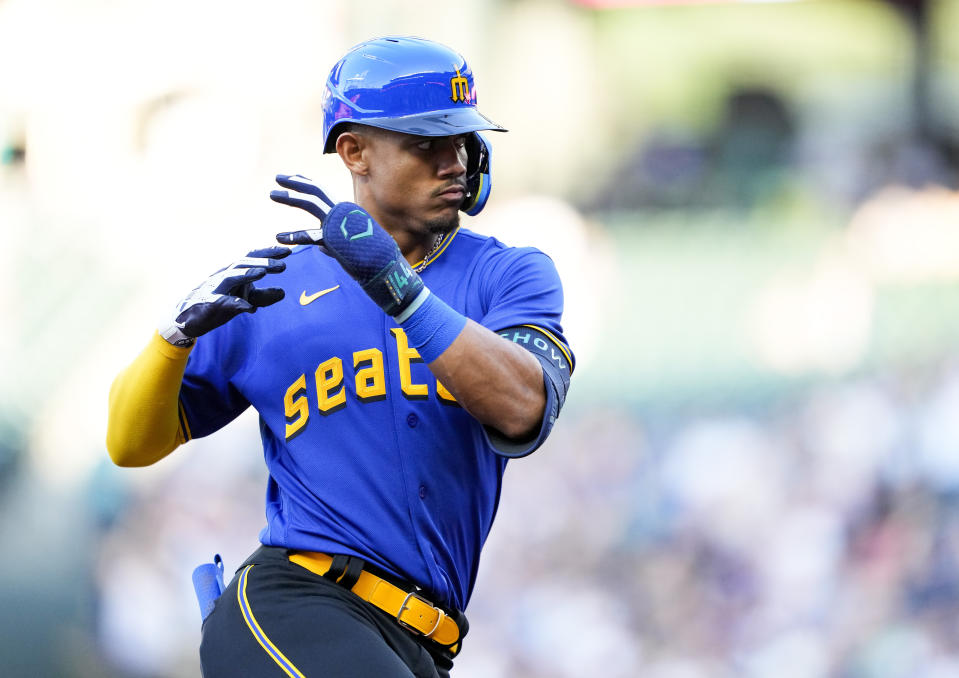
(367,453)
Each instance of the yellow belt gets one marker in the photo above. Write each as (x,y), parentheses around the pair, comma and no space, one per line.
(409,608)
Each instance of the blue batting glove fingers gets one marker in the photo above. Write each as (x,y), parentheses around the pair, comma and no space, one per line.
(301,184)
(199,318)
(268,264)
(259,298)
(241,286)
(224,295)
(233,284)
(303,193)
(308,203)
(270,253)
(312,236)
(350,235)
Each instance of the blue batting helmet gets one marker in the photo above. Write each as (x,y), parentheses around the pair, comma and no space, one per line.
(415,86)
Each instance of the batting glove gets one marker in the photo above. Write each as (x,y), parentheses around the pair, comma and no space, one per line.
(350,235)
(225,294)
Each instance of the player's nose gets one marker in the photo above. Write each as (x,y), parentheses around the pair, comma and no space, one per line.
(451,158)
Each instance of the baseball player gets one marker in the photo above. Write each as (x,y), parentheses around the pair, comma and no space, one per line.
(397,362)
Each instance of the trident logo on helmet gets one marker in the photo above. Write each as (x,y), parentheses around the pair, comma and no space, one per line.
(461,88)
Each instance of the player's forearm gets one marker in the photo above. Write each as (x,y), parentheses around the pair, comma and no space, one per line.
(143,425)
(496,381)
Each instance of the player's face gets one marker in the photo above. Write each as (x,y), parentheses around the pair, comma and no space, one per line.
(418,183)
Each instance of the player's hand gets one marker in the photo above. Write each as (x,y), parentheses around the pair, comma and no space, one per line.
(224,295)
(351,236)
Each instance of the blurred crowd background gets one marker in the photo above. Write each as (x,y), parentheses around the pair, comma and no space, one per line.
(754,209)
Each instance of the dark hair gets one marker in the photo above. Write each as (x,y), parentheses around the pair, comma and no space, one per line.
(352,128)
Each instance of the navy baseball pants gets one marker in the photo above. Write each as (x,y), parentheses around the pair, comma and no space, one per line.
(278,619)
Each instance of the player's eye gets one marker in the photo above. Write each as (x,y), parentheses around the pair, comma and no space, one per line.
(425,145)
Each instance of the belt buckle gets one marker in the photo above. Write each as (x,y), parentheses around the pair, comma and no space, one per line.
(405,606)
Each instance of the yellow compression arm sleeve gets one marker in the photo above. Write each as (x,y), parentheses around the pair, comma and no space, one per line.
(144,422)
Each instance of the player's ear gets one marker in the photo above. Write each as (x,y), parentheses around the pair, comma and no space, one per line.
(351,148)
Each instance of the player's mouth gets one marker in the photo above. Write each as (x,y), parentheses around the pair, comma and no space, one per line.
(453,194)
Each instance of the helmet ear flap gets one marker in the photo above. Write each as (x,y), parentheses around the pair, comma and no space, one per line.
(478,181)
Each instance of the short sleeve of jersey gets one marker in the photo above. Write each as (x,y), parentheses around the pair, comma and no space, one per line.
(523,288)
(209,398)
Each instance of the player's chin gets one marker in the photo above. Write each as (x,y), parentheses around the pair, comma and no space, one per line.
(443,222)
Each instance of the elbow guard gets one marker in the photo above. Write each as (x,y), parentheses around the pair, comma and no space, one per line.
(557,362)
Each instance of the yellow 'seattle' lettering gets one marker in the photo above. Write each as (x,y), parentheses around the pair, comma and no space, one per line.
(370,380)
(444,395)
(406,356)
(296,407)
(329,375)
(369,383)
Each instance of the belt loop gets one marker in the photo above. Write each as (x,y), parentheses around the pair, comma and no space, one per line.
(354,566)
(337,567)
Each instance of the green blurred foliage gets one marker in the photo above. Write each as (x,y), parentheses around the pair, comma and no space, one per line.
(680,332)
(675,64)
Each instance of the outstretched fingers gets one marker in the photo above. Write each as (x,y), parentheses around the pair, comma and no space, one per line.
(226,294)
(259,298)
(308,203)
(230,285)
(301,184)
(270,253)
(266,259)
(302,193)
(312,236)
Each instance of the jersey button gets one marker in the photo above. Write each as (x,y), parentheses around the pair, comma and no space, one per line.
(422,491)
(412,420)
